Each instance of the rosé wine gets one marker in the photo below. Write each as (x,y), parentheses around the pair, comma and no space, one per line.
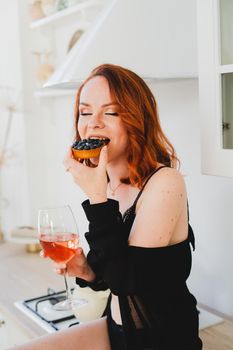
(59,247)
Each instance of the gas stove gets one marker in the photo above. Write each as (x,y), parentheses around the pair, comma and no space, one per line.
(40,311)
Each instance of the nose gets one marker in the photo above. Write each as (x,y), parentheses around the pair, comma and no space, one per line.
(95,122)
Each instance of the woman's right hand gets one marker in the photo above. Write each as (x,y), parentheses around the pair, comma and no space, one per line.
(76,267)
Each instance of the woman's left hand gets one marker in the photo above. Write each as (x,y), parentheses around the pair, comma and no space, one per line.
(93,181)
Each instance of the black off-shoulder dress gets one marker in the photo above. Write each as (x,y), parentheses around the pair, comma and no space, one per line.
(158,311)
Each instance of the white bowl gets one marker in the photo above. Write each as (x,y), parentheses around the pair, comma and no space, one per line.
(87,304)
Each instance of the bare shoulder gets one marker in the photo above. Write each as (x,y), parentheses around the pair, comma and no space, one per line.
(166,179)
(161,204)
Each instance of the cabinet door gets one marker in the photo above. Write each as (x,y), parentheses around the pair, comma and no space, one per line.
(215,66)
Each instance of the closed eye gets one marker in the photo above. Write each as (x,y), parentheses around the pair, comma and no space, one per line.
(114,114)
(85,114)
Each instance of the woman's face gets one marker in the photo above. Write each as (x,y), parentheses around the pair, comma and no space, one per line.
(99,115)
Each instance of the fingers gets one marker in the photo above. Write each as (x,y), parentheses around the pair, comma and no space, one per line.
(80,254)
(60,269)
(69,160)
(61,272)
(59,266)
(68,155)
(69,164)
(79,251)
(103,159)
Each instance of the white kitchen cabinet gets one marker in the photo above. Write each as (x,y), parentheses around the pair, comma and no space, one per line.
(46,41)
(215,61)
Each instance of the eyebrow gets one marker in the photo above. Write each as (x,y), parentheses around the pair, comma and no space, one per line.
(104,105)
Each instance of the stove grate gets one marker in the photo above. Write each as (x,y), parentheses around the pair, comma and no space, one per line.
(53,297)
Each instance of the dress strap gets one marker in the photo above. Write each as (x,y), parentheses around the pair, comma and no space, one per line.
(190,231)
(144,184)
(191,237)
(188,209)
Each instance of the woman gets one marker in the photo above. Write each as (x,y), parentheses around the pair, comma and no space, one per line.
(139,235)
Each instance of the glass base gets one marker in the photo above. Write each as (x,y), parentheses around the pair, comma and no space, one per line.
(63,305)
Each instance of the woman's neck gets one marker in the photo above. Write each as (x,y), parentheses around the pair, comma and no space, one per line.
(116,172)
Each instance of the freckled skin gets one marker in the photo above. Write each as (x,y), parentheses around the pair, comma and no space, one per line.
(172,195)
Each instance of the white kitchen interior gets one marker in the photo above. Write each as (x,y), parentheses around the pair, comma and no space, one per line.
(180,58)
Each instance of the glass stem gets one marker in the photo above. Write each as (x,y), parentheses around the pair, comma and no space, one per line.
(68,291)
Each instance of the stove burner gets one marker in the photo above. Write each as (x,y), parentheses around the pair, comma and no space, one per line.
(52,299)
(40,309)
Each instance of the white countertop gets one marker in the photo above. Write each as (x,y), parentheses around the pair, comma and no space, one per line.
(24,276)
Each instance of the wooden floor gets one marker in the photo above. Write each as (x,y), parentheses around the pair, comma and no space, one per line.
(219,337)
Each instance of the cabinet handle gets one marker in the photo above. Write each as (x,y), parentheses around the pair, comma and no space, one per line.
(226,126)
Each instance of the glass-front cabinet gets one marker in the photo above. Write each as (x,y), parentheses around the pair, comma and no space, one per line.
(215,56)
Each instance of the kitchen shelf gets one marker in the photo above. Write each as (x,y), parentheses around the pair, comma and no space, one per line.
(49,92)
(55,18)
(227,68)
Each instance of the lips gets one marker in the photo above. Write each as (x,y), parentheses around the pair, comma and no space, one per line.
(97,137)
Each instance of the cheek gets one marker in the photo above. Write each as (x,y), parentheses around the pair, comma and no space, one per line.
(124,138)
(81,127)
(125,144)
(121,144)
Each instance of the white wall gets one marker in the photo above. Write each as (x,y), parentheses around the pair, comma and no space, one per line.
(210,197)
(14,174)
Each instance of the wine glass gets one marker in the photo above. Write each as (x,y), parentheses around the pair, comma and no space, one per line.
(58,235)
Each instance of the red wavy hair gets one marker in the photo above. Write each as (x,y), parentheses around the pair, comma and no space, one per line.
(148,145)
